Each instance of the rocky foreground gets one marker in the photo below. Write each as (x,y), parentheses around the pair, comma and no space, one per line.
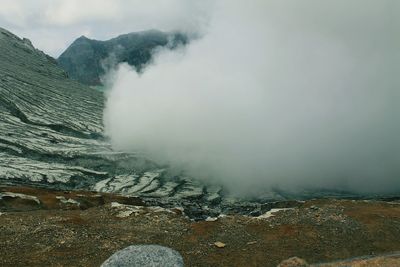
(70,228)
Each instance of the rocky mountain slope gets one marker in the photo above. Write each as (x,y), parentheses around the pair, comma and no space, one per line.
(51,136)
(85,60)
(49,125)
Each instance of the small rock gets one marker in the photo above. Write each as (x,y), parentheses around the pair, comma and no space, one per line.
(219,244)
(255,213)
(251,242)
(271,212)
(69,201)
(144,255)
(5,195)
(124,214)
(293,262)
(211,219)
(116,205)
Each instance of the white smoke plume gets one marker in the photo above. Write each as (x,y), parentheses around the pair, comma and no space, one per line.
(288,94)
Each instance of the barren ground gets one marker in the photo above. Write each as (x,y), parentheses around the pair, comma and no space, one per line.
(54,233)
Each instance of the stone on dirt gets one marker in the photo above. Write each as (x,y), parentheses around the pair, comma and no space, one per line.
(219,244)
(293,262)
(144,255)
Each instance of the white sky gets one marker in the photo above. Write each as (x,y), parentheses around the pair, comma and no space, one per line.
(53,24)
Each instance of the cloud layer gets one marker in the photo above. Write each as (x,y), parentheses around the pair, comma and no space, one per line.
(282,94)
(53,24)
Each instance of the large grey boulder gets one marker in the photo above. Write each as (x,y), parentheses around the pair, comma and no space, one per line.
(144,255)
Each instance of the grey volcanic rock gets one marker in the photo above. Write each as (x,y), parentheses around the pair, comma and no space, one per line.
(143,256)
(49,125)
(85,60)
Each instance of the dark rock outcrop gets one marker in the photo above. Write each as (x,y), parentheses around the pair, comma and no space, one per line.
(85,60)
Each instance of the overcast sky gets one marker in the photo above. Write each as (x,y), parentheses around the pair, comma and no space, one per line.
(52,25)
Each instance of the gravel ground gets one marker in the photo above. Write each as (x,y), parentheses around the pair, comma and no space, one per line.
(84,229)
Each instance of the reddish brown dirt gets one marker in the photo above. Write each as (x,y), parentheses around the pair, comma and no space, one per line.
(317,231)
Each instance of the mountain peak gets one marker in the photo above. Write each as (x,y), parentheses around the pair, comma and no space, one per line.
(82,60)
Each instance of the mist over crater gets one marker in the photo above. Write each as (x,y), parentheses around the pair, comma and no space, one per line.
(274,95)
